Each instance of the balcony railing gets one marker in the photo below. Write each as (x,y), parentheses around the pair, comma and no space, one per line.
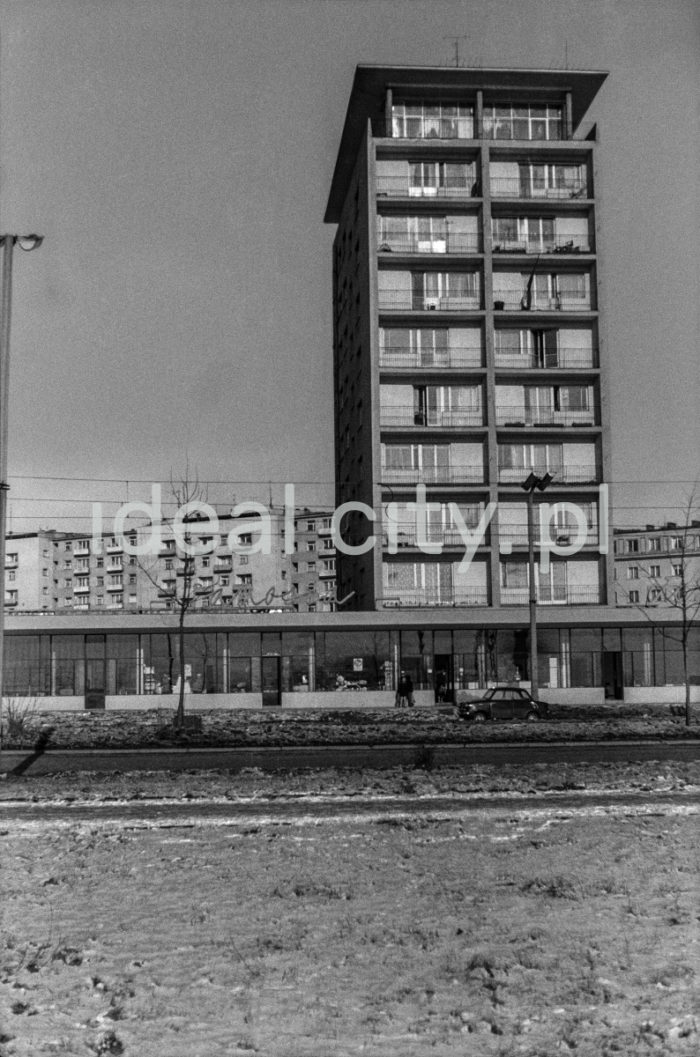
(449,187)
(406,535)
(572,359)
(433,475)
(515,187)
(403,300)
(515,415)
(542,244)
(517,535)
(572,596)
(408,416)
(425,597)
(405,356)
(516,301)
(449,242)
(582,474)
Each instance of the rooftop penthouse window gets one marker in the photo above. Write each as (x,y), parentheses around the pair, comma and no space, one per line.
(431,121)
(527,122)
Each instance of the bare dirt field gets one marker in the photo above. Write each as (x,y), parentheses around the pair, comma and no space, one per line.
(516,929)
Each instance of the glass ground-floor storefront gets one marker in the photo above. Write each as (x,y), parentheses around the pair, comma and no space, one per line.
(97,662)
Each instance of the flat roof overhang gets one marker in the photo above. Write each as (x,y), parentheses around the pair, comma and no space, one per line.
(371,82)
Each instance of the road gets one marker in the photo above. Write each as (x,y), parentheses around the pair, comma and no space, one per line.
(356,756)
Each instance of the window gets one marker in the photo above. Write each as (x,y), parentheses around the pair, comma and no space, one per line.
(654,570)
(677,569)
(206,562)
(243,559)
(675,543)
(312,545)
(310,526)
(632,572)
(328,564)
(654,595)
(328,545)
(100,563)
(430,120)
(168,563)
(523,122)
(12,558)
(634,596)
(132,578)
(654,544)
(245,579)
(12,575)
(116,580)
(225,580)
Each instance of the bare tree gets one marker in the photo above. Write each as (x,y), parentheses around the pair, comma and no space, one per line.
(678,590)
(184,591)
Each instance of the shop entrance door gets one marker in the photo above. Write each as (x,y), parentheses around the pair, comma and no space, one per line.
(271,682)
(612,675)
(443,678)
(95,672)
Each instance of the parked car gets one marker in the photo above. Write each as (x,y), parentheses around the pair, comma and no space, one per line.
(501,702)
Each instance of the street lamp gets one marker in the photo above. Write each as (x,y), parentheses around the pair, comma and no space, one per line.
(540,483)
(8,242)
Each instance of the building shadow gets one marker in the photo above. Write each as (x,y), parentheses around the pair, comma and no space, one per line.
(40,748)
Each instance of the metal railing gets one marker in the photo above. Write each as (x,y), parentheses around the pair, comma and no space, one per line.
(582,474)
(447,242)
(519,415)
(433,475)
(575,359)
(572,596)
(409,416)
(424,597)
(405,356)
(516,301)
(515,187)
(517,535)
(563,243)
(466,186)
(406,535)
(403,300)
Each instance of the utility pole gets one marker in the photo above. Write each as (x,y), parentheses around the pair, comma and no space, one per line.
(8,242)
(540,483)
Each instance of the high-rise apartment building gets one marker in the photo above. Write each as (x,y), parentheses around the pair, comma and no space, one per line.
(467,348)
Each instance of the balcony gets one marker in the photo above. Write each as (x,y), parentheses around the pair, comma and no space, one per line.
(223,566)
(80,588)
(517,187)
(81,547)
(516,301)
(566,359)
(583,595)
(433,475)
(115,587)
(582,474)
(425,126)
(450,242)
(408,416)
(520,416)
(516,535)
(449,187)
(113,546)
(536,244)
(406,535)
(396,300)
(403,356)
(423,597)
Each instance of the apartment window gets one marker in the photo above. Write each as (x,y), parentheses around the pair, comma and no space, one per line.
(654,570)
(132,578)
(245,579)
(677,569)
(116,580)
(100,563)
(100,600)
(12,558)
(168,563)
(654,544)
(634,596)
(67,564)
(225,580)
(630,546)
(206,562)
(632,572)
(429,120)
(100,581)
(44,590)
(328,565)
(310,526)
(11,575)
(654,594)
(243,559)
(523,122)
(11,596)
(67,545)
(328,545)
(675,543)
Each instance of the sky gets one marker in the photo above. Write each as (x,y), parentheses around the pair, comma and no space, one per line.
(177,157)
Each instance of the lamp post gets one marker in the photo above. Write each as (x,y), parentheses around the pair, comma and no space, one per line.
(540,483)
(8,242)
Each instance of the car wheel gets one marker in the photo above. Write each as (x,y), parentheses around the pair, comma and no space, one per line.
(479,717)
(532,717)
